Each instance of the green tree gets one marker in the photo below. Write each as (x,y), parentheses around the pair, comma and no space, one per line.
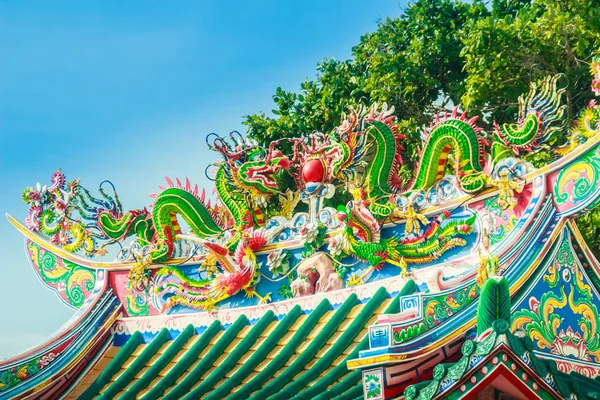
(442,53)
(523,42)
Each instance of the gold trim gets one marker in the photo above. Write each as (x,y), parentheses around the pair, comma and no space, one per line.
(76,259)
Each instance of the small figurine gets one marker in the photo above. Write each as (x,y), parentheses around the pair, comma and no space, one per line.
(506,188)
(488,263)
(138,274)
(412,217)
(288,202)
(403,268)
(356,192)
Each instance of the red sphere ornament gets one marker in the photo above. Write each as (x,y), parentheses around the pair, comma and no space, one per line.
(313,171)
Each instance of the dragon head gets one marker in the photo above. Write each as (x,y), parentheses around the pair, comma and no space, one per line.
(261,177)
(67,213)
(252,170)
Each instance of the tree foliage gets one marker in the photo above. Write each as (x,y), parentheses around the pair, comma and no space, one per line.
(442,53)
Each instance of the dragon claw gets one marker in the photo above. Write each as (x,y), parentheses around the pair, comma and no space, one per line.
(251,292)
(354,280)
(209,306)
(265,299)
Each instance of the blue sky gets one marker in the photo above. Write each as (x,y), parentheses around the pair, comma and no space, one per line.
(127,92)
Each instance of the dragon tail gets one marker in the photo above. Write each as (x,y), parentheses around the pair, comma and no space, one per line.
(118,228)
(441,235)
(540,114)
(181,290)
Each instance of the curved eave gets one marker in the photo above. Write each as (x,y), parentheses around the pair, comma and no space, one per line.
(77,259)
(447,331)
(48,367)
(521,283)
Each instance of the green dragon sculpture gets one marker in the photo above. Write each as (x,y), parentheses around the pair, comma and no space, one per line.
(362,155)
(539,113)
(246,177)
(239,185)
(361,239)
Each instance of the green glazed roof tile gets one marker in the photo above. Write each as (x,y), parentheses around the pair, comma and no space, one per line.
(232,358)
(274,358)
(320,387)
(184,363)
(350,380)
(336,349)
(259,355)
(159,365)
(286,352)
(308,354)
(131,371)
(207,361)
(355,392)
(114,366)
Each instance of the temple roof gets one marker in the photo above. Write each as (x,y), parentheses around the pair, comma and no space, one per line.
(496,353)
(271,358)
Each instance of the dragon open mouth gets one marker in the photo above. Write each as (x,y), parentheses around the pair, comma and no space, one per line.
(264,175)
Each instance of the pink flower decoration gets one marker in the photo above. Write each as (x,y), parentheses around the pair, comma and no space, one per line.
(570,344)
(596,86)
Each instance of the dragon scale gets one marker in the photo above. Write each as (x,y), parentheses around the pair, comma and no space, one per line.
(380,170)
(169,204)
(173,202)
(134,222)
(459,138)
